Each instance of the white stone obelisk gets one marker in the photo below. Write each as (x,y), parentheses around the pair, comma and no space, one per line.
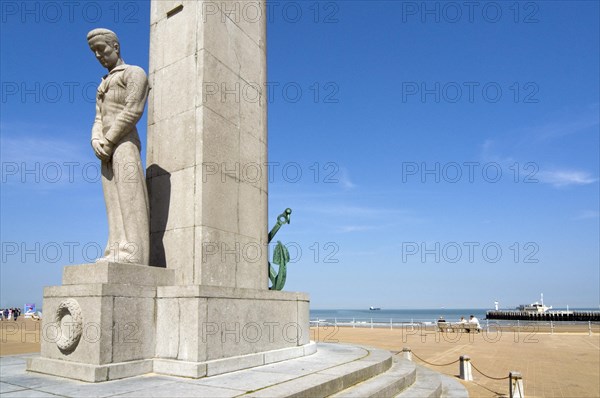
(207,179)
(207,142)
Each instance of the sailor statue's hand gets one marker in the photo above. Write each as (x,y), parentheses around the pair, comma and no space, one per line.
(99,151)
(108,146)
(103,149)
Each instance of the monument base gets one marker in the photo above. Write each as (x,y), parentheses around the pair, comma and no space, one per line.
(195,370)
(89,373)
(110,321)
(212,368)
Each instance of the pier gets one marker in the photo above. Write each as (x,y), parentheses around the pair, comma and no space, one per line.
(557,316)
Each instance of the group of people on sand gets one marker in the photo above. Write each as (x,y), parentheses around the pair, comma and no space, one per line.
(9,313)
(472,321)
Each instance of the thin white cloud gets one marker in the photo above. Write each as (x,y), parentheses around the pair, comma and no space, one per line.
(356,228)
(356,211)
(559,129)
(344,179)
(41,150)
(488,153)
(559,124)
(587,215)
(44,164)
(563,178)
(531,136)
(558,178)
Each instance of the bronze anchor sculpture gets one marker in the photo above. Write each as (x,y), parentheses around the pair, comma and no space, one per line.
(281,255)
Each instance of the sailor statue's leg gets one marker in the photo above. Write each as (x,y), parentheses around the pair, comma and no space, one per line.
(126,200)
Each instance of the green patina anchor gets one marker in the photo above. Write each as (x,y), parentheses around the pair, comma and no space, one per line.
(281,256)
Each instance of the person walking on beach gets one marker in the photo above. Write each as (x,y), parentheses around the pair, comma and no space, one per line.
(15,314)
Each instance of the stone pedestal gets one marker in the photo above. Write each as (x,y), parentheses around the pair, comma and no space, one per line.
(206,330)
(99,324)
(109,321)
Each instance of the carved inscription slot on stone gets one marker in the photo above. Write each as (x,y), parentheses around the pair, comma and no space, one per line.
(174,11)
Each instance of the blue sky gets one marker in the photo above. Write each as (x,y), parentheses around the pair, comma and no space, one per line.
(449,156)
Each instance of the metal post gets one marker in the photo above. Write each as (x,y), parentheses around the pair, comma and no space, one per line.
(590,328)
(335,321)
(551,327)
(353,323)
(317,334)
(515,387)
(407,353)
(391,324)
(465,368)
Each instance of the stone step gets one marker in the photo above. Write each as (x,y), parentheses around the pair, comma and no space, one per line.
(428,384)
(452,388)
(332,380)
(341,369)
(400,376)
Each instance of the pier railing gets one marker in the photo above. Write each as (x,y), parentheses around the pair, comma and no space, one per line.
(555,316)
(488,325)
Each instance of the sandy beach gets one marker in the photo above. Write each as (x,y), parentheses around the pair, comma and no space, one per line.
(563,364)
(20,337)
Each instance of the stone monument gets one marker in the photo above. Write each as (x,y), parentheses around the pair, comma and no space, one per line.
(203,306)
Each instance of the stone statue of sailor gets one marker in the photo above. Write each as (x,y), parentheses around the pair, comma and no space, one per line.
(120,102)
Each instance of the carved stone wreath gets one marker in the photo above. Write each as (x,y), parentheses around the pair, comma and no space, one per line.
(68,339)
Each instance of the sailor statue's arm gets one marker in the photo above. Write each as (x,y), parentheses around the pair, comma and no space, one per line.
(136,92)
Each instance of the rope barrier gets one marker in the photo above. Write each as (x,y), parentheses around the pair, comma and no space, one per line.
(489,377)
(453,362)
(434,364)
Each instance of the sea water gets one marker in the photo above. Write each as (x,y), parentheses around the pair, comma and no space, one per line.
(385,317)
(396,316)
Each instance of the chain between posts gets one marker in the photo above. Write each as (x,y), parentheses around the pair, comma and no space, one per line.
(453,362)
(489,377)
(433,364)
